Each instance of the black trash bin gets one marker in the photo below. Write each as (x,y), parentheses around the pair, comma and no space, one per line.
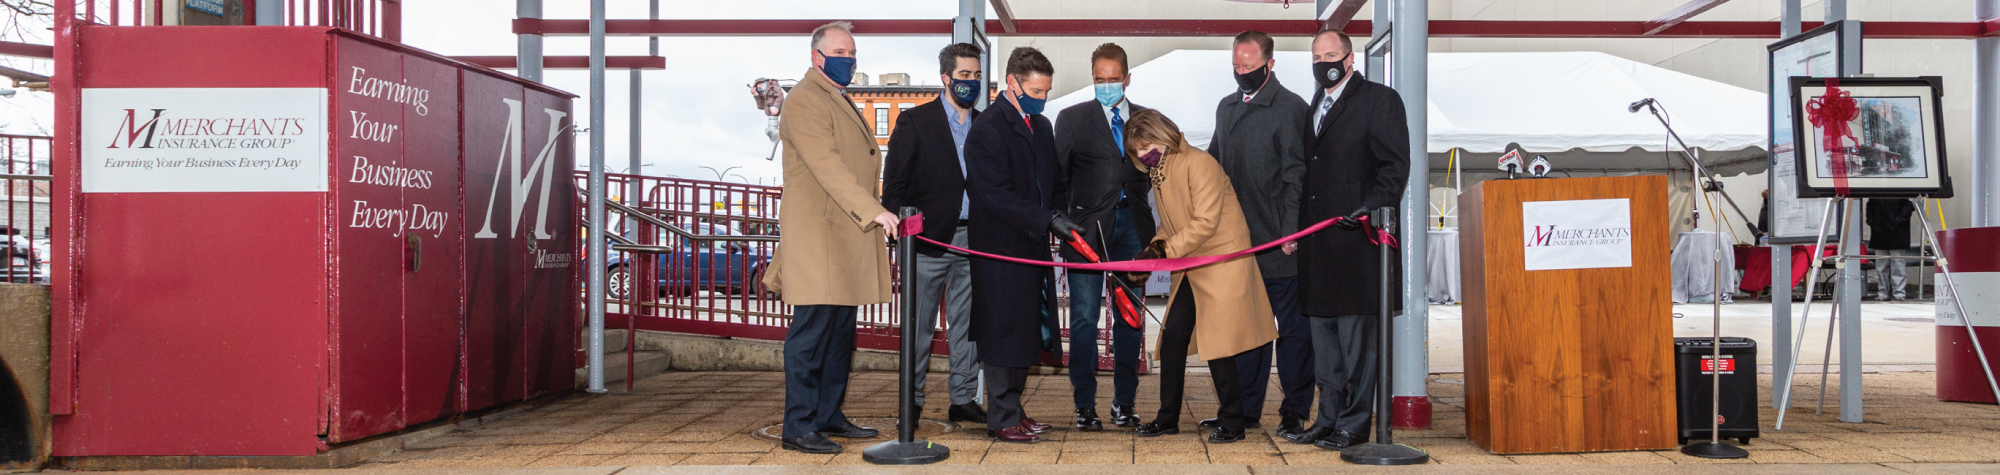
(1739,387)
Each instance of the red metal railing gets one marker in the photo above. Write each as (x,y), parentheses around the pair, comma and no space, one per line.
(24,238)
(666,282)
(381,18)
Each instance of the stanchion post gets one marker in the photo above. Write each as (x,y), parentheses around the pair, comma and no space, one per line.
(1384,450)
(906,449)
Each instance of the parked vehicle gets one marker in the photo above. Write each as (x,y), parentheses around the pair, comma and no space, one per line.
(722,266)
(24,259)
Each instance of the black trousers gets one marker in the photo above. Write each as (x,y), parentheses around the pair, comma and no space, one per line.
(819,351)
(1175,334)
(1344,352)
(1003,396)
(1295,357)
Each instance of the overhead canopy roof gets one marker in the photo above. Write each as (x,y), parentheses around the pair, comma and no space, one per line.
(1570,106)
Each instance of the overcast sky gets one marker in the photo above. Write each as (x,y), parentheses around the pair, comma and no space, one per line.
(698,111)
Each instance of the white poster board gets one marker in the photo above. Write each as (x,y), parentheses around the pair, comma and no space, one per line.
(1813,54)
(1577,234)
(194,140)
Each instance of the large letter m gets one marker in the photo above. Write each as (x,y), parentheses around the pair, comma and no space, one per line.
(522,182)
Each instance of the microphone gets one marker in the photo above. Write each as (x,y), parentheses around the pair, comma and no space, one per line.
(1511,163)
(1637,105)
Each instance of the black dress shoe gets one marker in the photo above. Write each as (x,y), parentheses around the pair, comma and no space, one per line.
(1086,420)
(968,412)
(1155,429)
(849,430)
(1291,424)
(1340,440)
(1307,435)
(812,443)
(1122,416)
(1224,435)
(1212,423)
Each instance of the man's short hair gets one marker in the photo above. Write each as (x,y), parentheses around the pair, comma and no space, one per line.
(1110,51)
(1346,42)
(1262,40)
(819,34)
(948,57)
(1027,59)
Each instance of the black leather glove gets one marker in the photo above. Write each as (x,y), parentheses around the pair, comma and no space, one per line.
(1153,250)
(1062,227)
(1353,220)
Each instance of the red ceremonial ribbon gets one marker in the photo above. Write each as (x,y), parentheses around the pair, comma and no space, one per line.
(1831,113)
(914,225)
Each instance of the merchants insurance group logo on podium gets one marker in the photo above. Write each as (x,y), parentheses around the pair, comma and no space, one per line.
(1577,234)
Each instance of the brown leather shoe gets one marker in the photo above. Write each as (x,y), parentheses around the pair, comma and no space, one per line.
(1034,427)
(1016,434)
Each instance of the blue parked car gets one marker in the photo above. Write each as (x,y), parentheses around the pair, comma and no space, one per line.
(722,266)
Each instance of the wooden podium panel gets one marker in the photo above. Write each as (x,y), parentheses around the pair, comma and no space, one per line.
(1566,360)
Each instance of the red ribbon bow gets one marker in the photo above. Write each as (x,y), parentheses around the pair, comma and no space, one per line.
(1831,113)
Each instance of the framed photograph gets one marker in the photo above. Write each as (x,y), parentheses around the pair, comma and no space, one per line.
(1832,50)
(1877,138)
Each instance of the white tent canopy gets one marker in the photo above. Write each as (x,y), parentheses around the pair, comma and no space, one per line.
(1570,106)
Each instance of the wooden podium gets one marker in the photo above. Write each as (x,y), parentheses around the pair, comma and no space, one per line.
(1566,359)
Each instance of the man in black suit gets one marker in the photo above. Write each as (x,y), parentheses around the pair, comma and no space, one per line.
(1260,140)
(925,168)
(1360,161)
(1010,175)
(1104,194)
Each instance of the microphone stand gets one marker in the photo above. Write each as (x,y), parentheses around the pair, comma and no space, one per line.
(1713,448)
(1711,185)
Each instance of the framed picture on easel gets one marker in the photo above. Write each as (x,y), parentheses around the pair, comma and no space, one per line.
(1870,137)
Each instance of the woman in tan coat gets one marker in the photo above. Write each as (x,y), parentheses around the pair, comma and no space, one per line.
(1218,310)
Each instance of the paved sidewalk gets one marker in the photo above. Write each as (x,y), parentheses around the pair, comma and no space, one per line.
(714,419)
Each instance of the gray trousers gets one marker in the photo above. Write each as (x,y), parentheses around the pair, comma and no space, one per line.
(1889,273)
(948,277)
(1344,352)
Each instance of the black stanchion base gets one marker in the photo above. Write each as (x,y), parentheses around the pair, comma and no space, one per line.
(897,452)
(1714,450)
(1376,453)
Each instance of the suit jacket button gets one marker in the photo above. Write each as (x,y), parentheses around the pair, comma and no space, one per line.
(871,151)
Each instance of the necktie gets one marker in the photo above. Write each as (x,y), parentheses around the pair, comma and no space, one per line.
(1324,105)
(1118,129)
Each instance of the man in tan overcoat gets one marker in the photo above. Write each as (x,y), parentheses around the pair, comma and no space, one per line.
(830,258)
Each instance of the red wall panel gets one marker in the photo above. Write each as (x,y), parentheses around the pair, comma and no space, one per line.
(433,300)
(370,222)
(493,264)
(194,309)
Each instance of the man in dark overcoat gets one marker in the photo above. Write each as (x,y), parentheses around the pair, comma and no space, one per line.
(1010,177)
(1359,162)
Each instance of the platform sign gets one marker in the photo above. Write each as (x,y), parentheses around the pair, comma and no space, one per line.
(194,140)
(1577,234)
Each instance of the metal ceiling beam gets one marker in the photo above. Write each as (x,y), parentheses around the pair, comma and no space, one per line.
(570,62)
(1227,28)
(1338,17)
(27,50)
(1680,14)
(1006,16)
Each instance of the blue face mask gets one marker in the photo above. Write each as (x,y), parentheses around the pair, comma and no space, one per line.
(965,91)
(839,69)
(1110,93)
(1030,105)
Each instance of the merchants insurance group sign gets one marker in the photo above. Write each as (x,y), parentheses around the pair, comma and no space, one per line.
(141,140)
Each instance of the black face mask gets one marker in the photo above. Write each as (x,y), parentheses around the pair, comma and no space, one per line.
(1328,73)
(1251,81)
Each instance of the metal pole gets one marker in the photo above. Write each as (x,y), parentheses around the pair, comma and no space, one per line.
(528,62)
(970,27)
(906,449)
(1384,450)
(1850,316)
(1986,121)
(1412,328)
(598,234)
(1849,291)
(270,12)
(1781,254)
(635,189)
(1783,394)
